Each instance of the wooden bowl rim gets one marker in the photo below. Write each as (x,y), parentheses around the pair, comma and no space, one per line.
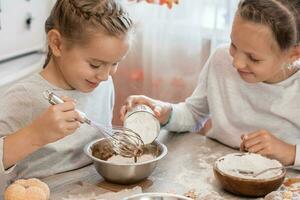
(249,180)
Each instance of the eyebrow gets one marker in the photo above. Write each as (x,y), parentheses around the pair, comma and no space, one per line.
(248,53)
(97,60)
(253,55)
(102,61)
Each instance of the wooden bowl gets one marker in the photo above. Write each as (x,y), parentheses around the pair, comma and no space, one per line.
(248,187)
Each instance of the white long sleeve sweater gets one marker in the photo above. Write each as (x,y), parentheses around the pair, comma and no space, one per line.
(237,107)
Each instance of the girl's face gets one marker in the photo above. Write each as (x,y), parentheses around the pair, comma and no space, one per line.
(84,67)
(256,55)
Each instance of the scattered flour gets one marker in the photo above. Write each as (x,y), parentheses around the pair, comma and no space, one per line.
(232,164)
(117,159)
(106,196)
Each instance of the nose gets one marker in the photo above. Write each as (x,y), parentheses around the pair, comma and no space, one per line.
(239,60)
(105,72)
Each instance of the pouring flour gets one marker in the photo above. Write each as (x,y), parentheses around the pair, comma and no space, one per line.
(141,119)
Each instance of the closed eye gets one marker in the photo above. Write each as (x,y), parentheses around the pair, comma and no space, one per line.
(95,66)
(253,59)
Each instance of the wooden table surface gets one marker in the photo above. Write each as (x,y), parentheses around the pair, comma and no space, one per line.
(187,166)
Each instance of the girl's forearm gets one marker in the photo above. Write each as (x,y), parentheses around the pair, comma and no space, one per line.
(19,145)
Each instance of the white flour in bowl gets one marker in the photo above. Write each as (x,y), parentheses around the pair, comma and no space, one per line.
(233,164)
(117,159)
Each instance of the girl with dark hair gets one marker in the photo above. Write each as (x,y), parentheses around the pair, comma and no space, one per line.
(250,90)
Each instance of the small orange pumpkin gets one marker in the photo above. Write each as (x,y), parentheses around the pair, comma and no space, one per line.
(30,189)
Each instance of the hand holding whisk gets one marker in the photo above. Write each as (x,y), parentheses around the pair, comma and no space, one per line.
(125,142)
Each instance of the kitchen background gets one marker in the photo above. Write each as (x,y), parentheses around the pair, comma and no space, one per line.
(169,50)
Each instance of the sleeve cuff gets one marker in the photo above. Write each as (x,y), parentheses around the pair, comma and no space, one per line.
(169,125)
(182,120)
(2,169)
(169,119)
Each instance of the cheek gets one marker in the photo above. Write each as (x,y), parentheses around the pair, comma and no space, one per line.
(84,71)
(264,70)
(80,70)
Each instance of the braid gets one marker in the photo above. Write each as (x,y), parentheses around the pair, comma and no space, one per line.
(79,10)
(292,13)
(108,12)
(280,15)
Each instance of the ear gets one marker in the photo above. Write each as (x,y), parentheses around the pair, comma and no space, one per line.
(294,53)
(55,42)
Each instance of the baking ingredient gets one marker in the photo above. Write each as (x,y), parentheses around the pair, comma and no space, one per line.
(282,195)
(117,159)
(237,163)
(192,194)
(142,121)
(289,190)
(31,189)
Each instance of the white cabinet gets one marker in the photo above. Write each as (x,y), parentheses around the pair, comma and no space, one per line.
(22,37)
(22,26)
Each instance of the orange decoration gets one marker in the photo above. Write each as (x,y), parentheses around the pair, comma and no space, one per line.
(169,3)
(137,75)
(177,82)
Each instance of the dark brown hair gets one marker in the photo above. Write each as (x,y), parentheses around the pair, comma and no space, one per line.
(78,20)
(282,16)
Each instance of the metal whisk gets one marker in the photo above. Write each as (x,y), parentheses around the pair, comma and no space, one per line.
(125,142)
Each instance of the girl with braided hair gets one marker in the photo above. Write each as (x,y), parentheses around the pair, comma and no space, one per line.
(87,39)
(250,89)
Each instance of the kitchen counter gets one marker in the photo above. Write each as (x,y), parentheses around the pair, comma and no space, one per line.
(187,166)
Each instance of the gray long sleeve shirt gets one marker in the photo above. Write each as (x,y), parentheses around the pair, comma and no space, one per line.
(24,102)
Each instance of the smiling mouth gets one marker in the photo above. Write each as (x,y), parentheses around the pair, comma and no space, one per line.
(94,84)
(244,72)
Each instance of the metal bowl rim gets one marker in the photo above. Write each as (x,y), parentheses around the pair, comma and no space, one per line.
(87,151)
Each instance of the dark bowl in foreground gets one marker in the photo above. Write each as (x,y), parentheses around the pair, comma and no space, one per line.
(248,187)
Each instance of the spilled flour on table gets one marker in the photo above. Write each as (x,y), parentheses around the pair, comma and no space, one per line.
(106,196)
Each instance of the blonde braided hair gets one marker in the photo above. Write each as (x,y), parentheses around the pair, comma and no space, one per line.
(78,20)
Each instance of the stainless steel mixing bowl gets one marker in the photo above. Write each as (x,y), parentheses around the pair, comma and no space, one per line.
(156,196)
(125,173)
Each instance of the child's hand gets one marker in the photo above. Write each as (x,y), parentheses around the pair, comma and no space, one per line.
(266,144)
(57,122)
(162,110)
